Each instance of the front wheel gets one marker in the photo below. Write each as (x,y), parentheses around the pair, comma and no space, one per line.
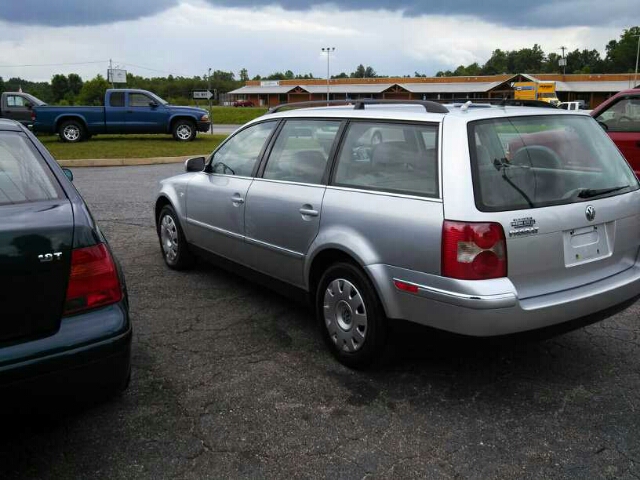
(351,316)
(175,250)
(184,131)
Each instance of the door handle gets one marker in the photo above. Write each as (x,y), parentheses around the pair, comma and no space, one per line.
(129,111)
(308,211)
(638,143)
(237,200)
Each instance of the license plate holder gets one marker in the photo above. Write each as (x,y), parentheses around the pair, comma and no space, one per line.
(586,244)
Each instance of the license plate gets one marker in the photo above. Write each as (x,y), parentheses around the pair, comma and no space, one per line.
(586,244)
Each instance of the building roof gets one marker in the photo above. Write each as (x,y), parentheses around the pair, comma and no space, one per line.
(603,86)
(254,90)
(453,87)
(353,88)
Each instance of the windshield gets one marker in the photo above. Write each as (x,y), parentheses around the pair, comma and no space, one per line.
(34,101)
(158,99)
(531,162)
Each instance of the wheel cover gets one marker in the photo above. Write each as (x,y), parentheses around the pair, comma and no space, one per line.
(184,132)
(169,238)
(345,315)
(71,132)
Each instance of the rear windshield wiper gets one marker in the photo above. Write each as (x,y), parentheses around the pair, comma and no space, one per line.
(591,193)
(502,165)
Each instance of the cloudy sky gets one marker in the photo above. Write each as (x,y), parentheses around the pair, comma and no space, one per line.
(186,37)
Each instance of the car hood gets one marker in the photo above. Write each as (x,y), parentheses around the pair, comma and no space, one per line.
(190,110)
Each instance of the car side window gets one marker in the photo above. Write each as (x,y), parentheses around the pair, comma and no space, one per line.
(116,99)
(238,156)
(301,151)
(139,100)
(389,157)
(622,116)
(15,101)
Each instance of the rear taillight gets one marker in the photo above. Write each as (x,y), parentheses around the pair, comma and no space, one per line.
(33,116)
(93,281)
(473,251)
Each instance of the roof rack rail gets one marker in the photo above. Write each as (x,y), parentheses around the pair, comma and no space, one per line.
(359,104)
(503,102)
(429,106)
(310,103)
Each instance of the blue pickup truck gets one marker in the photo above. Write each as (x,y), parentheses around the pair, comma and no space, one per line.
(124,111)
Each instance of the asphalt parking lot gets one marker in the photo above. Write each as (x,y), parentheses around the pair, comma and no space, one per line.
(231,380)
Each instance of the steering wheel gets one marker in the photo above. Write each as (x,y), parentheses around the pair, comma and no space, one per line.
(537,156)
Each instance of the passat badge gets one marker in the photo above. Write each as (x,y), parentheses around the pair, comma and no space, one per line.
(523,226)
(590,213)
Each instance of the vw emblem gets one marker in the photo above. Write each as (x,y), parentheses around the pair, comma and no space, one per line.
(590,213)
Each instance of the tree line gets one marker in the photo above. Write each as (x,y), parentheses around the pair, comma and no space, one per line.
(620,57)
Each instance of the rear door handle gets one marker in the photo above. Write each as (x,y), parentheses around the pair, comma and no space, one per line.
(638,143)
(308,211)
(237,199)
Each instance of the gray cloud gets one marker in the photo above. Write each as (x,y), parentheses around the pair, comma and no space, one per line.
(79,12)
(538,13)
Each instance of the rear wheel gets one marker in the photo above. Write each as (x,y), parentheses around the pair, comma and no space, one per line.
(71,131)
(184,130)
(173,244)
(351,316)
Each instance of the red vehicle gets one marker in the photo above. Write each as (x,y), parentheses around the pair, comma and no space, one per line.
(620,117)
(243,103)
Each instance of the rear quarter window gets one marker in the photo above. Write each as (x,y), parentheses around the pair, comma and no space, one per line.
(389,157)
(24,175)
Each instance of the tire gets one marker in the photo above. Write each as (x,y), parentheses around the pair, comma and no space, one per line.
(173,245)
(71,131)
(184,130)
(350,315)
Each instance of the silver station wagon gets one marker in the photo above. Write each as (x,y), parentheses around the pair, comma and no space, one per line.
(476,219)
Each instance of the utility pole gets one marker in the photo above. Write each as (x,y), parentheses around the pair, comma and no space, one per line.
(209,95)
(564,61)
(111,73)
(328,51)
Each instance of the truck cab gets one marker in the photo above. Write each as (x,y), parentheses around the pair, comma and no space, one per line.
(18,106)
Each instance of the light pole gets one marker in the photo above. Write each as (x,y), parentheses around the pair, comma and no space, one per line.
(635,77)
(564,61)
(328,51)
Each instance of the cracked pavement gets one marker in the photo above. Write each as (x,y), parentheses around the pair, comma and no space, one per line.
(231,380)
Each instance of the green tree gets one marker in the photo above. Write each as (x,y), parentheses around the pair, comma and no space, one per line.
(75,83)
(2,87)
(244,75)
(59,87)
(92,92)
(621,54)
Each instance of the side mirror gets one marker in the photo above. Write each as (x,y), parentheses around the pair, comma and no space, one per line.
(153,104)
(195,164)
(604,126)
(68,173)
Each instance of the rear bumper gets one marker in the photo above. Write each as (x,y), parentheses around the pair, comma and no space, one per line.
(492,307)
(89,349)
(203,126)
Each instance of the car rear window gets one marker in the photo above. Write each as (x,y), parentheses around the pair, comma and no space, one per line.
(542,160)
(24,176)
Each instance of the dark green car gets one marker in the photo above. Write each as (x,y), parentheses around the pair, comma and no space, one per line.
(64,312)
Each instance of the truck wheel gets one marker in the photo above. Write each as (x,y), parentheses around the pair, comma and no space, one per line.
(71,131)
(184,131)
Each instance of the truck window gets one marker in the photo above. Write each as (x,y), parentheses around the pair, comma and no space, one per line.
(116,99)
(139,100)
(15,101)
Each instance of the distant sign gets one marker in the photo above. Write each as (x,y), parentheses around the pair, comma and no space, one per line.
(270,83)
(202,94)
(562,62)
(115,75)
